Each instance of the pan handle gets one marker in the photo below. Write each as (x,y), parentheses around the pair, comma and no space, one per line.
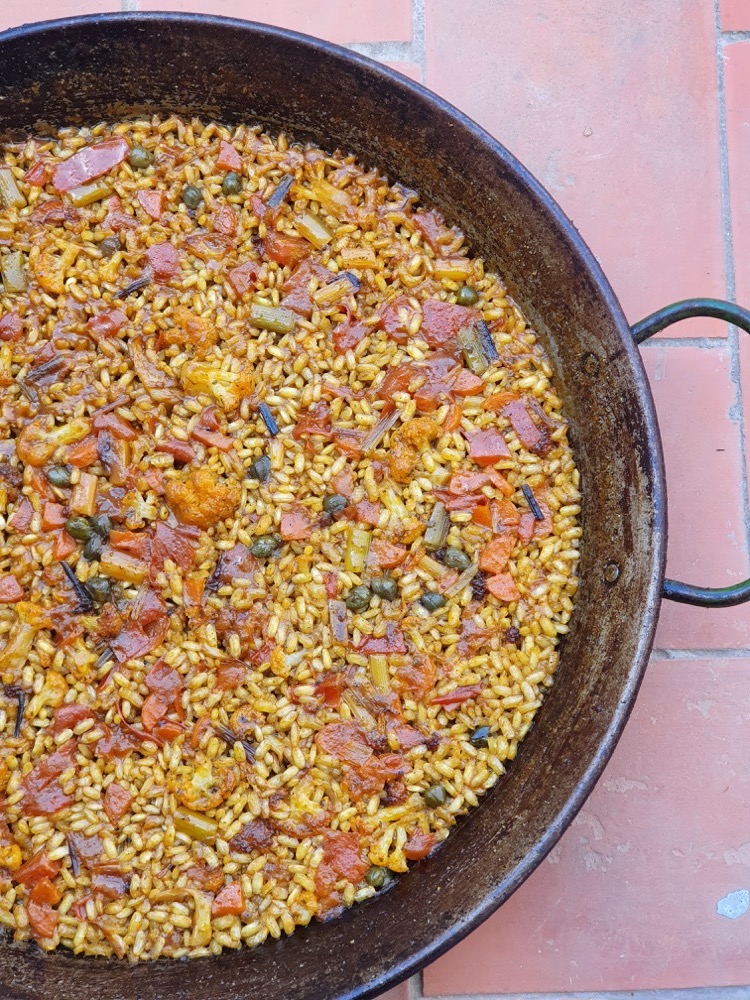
(673,590)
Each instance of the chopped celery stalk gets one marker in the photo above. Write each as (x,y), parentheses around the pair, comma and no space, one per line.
(10,194)
(379,672)
(379,431)
(335,290)
(310,226)
(466,577)
(87,194)
(456,269)
(357,547)
(432,566)
(6,229)
(361,257)
(478,347)
(12,269)
(122,566)
(274,318)
(194,824)
(437,527)
(333,200)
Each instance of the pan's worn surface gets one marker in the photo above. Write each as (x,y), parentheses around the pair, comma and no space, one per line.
(117,66)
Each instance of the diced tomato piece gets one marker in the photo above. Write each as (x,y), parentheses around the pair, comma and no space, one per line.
(499,481)
(418,678)
(136,543)
(213,439)
(225,221)
(180,450)
(531,436)
(453,419)
(419,845)
(467,482)
(392,642)
(167,730)
(228,901)
(64,546)
(164,680)
(347,335)
(38,867)
(53,516)
(68,716)
(38,173)
(243,277)
(488,446)
(365,511)
(481,515)
(499,400)
(192,591)
(89,163)
(117,427)
(43,795)
(117,801)
(228,158)
(543,528)
(331,583)
(154,708)
(315,421)
(346,741)
(83,453)
(11,328)
(230,674)
(385,555)
(106,324)
(430,225)
(395,319)
(330,687)
(397,379)
(503,587)
(295,524)
(526,526)
(177,544)
(20,519)
(458,696)
(285,250)
(10,590)
(296,288)
(495,555)
(152,203)
(466,383)
(441,321)
(342,851)
(42,918)
(164,260)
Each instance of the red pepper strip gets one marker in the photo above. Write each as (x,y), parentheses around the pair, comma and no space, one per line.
(458,696)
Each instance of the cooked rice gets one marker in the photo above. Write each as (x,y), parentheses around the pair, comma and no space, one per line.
(162,882)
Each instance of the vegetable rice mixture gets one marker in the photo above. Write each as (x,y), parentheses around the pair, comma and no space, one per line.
(288,534)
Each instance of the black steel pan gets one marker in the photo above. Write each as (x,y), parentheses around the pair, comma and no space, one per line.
(115,66)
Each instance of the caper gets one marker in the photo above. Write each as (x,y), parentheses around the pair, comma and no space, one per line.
(99,589)
(359,598)
(109,245)
(385,587)
(435,796)
(93,548)
(140,158)
(265,546)
(456,559)
(101,525)
(192,196)
(479,736)
(78,528)
(466,296)
(232,183)
(59,475)
(260,469)
(432,601)
(335,504)
(377,877)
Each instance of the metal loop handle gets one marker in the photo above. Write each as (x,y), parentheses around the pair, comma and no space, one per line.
(673,590)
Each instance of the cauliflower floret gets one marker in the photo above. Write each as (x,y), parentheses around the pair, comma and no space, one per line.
(202,498)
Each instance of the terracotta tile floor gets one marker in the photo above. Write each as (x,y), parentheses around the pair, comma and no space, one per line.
(636,115)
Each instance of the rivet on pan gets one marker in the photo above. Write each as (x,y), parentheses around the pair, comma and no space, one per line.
(590,364)
(611,572)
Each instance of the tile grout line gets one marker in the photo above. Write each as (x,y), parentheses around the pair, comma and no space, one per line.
(729,266)
(418,37)
(130,5)
(705,343)
(700,654)
(687,993)
(734,36)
